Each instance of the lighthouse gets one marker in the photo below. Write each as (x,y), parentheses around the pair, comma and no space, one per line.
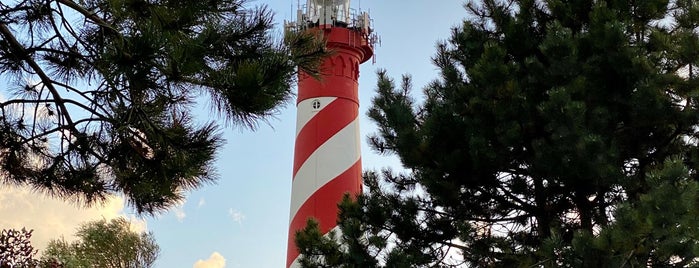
(327,160)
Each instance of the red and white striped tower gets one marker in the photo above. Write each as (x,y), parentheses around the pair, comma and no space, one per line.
(327,161)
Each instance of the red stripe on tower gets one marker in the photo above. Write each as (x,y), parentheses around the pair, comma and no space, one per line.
(327,160)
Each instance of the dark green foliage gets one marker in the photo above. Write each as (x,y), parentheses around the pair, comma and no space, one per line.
(328,252)
(102,91)
(109,244)
(559,133)
(16,249)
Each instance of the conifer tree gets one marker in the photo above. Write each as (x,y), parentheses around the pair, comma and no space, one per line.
(100,92)
(558,134)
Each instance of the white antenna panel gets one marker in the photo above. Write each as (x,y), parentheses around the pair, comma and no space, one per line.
(328,11)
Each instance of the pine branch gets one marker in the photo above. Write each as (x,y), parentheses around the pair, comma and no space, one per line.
(92,16)
(56,101)
(22,53)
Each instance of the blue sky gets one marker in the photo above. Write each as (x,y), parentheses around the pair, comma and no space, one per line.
(244,217)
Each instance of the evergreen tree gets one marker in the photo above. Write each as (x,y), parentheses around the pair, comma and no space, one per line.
(109,244)
(559,134)
(101,91)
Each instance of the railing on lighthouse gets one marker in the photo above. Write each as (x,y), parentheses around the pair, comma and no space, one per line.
(333,13)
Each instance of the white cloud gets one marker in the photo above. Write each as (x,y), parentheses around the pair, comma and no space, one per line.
(214,261)
(201,203)
(179,213)
(236,215)
(52,218)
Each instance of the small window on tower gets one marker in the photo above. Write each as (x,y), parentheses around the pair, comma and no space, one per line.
(315,104)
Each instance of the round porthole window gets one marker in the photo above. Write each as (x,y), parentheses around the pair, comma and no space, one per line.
(315,104)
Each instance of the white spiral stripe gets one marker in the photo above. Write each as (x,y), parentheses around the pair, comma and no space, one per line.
(342,148)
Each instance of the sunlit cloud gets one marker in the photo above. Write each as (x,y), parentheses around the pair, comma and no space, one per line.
(214,261)
(51,218)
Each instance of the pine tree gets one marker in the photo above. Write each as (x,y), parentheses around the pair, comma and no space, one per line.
(101,92)
(558,134)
